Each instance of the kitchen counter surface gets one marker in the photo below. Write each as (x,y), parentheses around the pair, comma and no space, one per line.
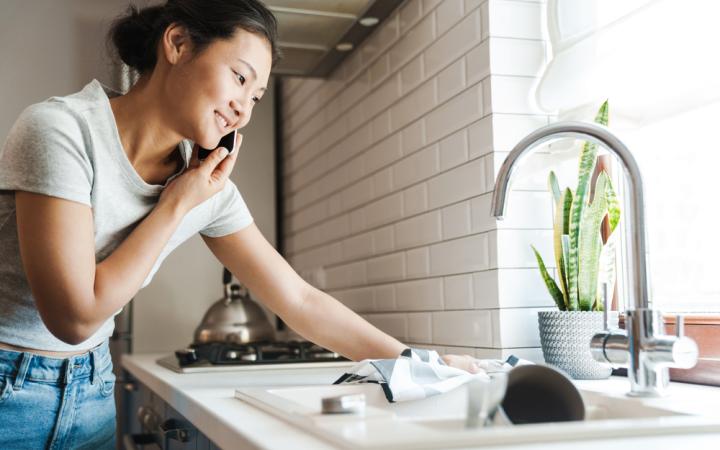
(208,401)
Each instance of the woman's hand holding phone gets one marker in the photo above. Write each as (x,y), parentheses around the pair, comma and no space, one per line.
(203,179)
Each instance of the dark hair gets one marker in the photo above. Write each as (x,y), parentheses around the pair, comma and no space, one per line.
(135,36)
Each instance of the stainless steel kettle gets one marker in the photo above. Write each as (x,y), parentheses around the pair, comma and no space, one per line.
(235,318)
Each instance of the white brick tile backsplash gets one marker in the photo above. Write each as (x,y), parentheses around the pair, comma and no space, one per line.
(417,262)
(357,220)
(457,184)
(513,95)
(508,130)
(394,324)
(456,220)
(448,13)
(514,19)
(420,328)
(429,5)
(357,247)
(359,300)
(412,42)
(346,275)
(386,268)
(458,292)
(383,211)
(409,14)
(359,193)
(382,97)
(480,213)
(459,255)
(522,288)
(384,239)
(389,166)
(451,80)
(411,75)
(461,110)
(453,44)
(454,150)
(381,126)
(517,57)
(414,105)
(420,295)
(418,230)
(477,62)
(380,69)
(383,182)
(385,297)
(480,137)
(415,199)
(417,167)
(514,251)
(462,328)
(384,153)
(413,137)
(515,328)
(485,289)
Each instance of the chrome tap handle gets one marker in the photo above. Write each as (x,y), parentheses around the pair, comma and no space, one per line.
(605,306)
(679,325)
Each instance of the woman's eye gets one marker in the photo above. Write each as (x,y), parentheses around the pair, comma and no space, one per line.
(240,77)
(256,99)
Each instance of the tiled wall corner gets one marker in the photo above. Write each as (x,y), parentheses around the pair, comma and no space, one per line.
(389,166)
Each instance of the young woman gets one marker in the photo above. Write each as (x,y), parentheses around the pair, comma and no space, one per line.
(96,189)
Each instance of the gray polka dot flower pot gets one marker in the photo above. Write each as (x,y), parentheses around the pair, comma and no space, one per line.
(565,339)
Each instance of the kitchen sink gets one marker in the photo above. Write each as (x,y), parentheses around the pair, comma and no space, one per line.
(439,421)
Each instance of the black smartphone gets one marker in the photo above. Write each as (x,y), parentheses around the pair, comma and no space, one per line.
(227,141)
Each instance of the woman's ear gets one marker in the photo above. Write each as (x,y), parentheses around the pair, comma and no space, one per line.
(175,43)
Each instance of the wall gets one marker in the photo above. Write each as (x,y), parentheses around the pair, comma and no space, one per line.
(55,47)
(389,168)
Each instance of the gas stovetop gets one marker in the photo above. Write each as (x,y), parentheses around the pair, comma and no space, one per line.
(231,356)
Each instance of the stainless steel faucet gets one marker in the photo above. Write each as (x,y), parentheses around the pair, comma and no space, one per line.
(643,347)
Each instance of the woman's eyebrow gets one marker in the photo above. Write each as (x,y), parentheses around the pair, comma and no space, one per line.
(252,69)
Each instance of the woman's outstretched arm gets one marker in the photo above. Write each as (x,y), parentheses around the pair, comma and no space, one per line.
(312,313)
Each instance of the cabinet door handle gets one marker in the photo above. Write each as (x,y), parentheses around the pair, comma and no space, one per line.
(177,430)
(131,441)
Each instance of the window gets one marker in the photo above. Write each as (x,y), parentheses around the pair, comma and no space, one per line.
(657,62)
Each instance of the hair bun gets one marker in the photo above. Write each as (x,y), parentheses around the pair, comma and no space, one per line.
(133,35)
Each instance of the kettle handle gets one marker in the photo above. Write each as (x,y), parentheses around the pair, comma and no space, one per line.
(227,276)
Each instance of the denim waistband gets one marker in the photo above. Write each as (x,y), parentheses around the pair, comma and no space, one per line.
(30,366)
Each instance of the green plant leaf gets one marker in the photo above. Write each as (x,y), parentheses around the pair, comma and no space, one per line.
(613,205)
(554,187)
(562,210)
(586,167)
(549,282)
(590,246)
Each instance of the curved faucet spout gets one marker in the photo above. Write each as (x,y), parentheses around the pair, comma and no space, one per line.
(635,218)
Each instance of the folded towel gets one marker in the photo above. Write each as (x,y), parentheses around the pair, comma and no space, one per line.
(419,373)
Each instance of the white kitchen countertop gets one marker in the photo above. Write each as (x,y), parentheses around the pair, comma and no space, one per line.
(208,401)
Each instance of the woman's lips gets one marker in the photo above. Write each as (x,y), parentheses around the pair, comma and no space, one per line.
(221,120)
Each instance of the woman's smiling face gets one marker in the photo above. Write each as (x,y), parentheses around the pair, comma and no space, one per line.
(214,92)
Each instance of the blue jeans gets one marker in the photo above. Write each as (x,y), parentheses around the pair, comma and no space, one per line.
(56,403)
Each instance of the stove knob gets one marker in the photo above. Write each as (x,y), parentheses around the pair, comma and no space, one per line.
(232,354)
(186,356)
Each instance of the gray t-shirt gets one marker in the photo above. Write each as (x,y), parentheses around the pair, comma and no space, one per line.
(69,147)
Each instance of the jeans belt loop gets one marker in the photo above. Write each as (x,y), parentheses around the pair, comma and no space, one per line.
(69,365)
(22,370)
(95,372)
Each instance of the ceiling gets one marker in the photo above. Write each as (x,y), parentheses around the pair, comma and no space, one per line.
(310,31)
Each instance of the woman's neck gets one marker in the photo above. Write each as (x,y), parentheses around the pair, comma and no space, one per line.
(146,135)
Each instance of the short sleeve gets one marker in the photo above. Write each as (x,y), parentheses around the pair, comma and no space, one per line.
(229,213)
(45,153)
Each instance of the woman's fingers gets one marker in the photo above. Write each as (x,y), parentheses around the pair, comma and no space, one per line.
(464,362)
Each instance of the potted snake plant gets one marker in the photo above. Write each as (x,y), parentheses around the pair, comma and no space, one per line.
(585,264)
